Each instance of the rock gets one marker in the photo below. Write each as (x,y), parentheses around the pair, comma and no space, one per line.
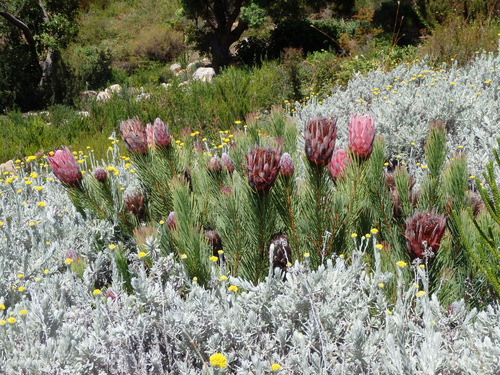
(8,167)
(175,68)
(204,74)
(166,85)
(191,68)
(113,89)
(206,62)
(142,96)
(88,94)
(103,96)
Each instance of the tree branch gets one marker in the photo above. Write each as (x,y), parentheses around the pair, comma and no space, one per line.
(20,25)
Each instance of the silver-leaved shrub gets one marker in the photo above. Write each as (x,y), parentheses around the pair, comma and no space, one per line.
(405,100)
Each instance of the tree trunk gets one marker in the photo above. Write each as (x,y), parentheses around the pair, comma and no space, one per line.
(46,66)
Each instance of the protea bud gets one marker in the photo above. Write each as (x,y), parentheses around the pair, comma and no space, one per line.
(100,175)
(134,202)
(171,220)
(226,190)
(161,135)
(361,135)
(286,165)
(71,254)
(320,135)
(64,166)
(110,293)
(227,162)
(215,166)
(215,241)
(338,163)
(424,231)
(282,255)
(262,168)
(134,135)
(475,202)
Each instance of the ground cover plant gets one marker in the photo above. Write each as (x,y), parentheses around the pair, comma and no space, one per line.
(325,242)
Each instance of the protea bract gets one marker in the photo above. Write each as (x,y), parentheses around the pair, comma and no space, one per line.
(263,168)
(134,135)
(134,202)
(286,165)
(64,166)
(337,164)
(320,135)
(100,175)
(161,135)
(424,231)
(361,135)
(227,162)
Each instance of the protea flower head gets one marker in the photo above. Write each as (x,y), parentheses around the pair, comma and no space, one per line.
(282,254)
(226,190)
(171,220)
(134,135)
(64,166)
(134,202)
(100,175)
(262,168)
(320,135)
(110,293)
(213,238)
(215,166)
(71,254)
(337,164)
(286,165)
(424,231)
(227,162)
(361,135)
(161,135)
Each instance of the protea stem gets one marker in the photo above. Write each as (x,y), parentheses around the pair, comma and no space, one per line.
(292,222)
(262,217)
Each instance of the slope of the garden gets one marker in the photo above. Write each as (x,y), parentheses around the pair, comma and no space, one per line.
(336,319)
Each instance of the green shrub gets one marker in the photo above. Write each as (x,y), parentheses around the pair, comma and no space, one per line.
(92,66)
(459,39)
(158,43)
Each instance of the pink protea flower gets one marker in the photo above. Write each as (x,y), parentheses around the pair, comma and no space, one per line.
(320,135)
(226,190)
(171,220)
(110,293)
(71,254)
(227,162)
(134,203)
(214,166)
(337,164)
(361,135)
(424,231)
(161,134)
(262,168)
(134,135)
(286,165)
(100,175)
(64,166)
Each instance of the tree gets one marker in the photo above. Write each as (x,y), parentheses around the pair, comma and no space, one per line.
(217,24)
(34,31)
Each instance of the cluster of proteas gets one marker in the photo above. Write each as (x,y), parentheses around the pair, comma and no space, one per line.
(138,139)
(424,231)
(320,136)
